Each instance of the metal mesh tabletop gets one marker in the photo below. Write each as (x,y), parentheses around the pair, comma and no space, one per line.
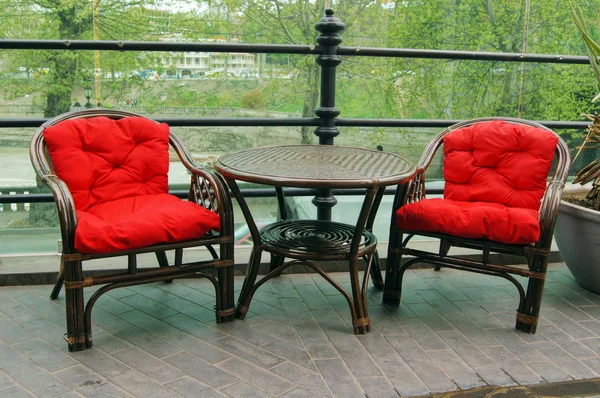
(315,166)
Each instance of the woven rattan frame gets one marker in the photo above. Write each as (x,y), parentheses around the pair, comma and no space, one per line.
(206,188)
(535,254)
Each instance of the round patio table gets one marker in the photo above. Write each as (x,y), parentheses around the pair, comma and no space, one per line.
(309,241)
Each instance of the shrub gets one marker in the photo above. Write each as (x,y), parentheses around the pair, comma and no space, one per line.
(253,99)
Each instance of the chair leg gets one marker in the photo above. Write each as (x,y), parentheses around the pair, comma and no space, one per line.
(528,317)
(249,281)
(276,262)
(77,337)
(161,256)
(392,288)
(226,306)
(362,323)
(376,277)
(59,281)
(57,287)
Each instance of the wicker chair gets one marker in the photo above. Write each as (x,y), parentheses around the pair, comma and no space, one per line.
(108,173)
(497,198)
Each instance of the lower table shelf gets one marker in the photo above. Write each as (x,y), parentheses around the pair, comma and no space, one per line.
(314,239)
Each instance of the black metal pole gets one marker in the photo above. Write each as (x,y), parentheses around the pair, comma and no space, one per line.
(329,40)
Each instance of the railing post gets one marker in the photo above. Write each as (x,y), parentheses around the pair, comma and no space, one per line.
(329,39)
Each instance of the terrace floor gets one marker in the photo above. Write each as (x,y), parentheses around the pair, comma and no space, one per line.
(453,331)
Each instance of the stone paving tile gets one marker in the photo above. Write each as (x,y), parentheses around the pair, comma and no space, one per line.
(453,330)
(110,343)
(297,393)
(249,352)
(316,342)
(146,341)
(12,332)
(397,371)
(377,387)
(549,371)
(45,355)
(100,362)
(520,372)
(148,365)
(285,332)
(201,370)
(469,353)
(5,381)
(339,379)
(437,381)
(244,331)
(17,312)
(190,309)
(35,379)
(141,386)
(560,357)
(150,307)
(291,353)
(89,383)
(190,387)
(241,389)
(195,346)
(9,355)
(384,322)
(495,376)
(449,362)
(194,327)
(50,332)
(309,380)
(255,376)
(16,391)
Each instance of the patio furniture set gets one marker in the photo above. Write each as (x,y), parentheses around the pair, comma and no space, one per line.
(108,173)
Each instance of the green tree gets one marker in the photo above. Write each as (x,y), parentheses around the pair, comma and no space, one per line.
(292,22)
(465,89)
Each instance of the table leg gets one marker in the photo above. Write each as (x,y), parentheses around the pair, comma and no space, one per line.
(249,281)
(277,261)
(362,323)
(375,268)
(254,262)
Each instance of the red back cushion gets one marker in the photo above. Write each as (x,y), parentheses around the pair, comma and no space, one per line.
(498,162)
(102,159)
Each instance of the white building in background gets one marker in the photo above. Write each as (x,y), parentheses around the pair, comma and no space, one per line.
(199,64)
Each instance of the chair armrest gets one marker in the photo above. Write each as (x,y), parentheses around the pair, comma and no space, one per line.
(549,212)
(207,189)
(67,213)
(411,191)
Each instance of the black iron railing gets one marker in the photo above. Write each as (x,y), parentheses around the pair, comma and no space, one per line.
(329,54)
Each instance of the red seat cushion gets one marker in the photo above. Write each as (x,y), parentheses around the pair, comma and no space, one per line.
(140,221)
(102,159)
(491,221)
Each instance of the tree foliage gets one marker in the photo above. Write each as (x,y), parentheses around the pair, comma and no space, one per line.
(369,87)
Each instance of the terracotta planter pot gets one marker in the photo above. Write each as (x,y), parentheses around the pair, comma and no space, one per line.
(577,234)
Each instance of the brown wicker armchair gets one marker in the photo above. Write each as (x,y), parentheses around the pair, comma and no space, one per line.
(208,197)
(491,203)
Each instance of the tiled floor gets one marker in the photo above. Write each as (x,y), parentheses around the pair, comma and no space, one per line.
(453,331)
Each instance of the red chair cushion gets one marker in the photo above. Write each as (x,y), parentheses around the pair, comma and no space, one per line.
(102,159)
(498,162)
(491,221)
(140,221)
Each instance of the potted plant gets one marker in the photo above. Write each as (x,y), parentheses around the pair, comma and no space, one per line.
(577,230)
